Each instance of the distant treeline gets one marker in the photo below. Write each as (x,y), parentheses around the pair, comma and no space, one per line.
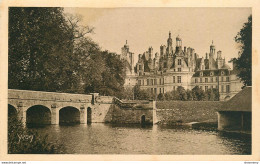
(196,94)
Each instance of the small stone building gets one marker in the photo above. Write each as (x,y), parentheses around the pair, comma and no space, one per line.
(236,114)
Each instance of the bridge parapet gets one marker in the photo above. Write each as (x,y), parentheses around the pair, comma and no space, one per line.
(134,104)
(48,96)
(104,99)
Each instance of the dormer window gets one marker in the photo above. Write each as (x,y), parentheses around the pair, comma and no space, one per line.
(179,61)
(222,73)
(211,73)
(201,73)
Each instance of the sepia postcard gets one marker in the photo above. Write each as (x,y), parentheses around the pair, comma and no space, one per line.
(130,80)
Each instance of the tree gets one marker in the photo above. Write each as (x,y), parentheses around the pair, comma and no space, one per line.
(141,94)
(41,50)
(244,62)
(50,51)
(189,95)
(108,78)
(198,94)
(161,97)
(182,93)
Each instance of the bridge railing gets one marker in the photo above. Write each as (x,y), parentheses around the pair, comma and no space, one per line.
(48,96)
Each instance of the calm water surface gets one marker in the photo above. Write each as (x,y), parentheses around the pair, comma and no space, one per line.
(136,139)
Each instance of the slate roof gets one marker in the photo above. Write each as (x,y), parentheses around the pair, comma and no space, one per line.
(240,102)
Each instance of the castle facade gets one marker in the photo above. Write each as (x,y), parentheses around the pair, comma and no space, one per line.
(172,67)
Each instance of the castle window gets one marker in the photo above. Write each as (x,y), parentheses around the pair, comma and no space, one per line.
(206,80)
(151,81)
(160,81)
(222,73)
(211,79)
(147,81)
(151,90)
(179,79)
(155,81)
(179,61)
(174,88)
(211,73)
(227,78)
(143,82)
(179,69)
(227,88)
(216,78)
(173,80)
(222,88)
(163,90)
(139,82)
(155,90)
(206,88)
(222,78)
(140,67)
(201,74)
(140,73)
(160,90)
(196,80)
(201,80)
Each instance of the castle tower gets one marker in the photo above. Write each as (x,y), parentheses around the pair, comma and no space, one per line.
(169,44)
(219,55)
(178,43)
(212,56)
(202,64)
(150,51)
(162,50)
(127,56)
(212,51)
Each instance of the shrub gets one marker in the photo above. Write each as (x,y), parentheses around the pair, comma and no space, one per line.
(22,140)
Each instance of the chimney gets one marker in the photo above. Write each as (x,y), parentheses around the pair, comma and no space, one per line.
(185,49)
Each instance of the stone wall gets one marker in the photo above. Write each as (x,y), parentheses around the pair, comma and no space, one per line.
(125,112)
(131,116)
(101,113)
(172,112)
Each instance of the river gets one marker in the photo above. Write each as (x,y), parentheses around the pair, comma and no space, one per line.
(98,138)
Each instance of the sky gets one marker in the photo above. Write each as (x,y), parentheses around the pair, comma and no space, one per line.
(145,27)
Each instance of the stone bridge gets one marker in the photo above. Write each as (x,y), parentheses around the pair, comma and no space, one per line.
(36,107)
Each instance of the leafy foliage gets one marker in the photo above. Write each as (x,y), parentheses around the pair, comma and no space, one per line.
(104,74)
(51,51)
(244,62)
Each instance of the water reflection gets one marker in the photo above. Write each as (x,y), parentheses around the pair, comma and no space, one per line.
(144,139)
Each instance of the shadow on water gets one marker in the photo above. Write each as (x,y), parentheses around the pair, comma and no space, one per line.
(242,141)
(131,126)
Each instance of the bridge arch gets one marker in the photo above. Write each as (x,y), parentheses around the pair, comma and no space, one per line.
(12,111)
(69,115)
(38,115)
